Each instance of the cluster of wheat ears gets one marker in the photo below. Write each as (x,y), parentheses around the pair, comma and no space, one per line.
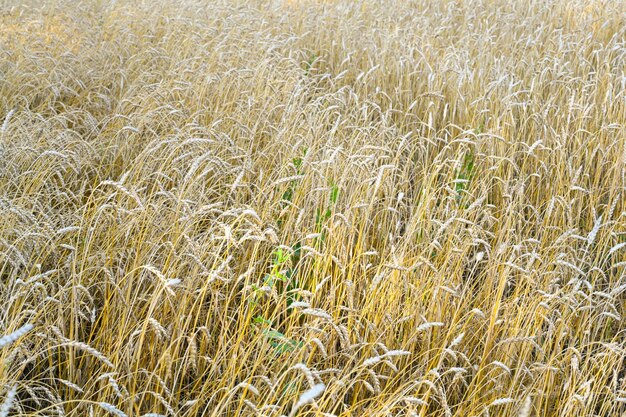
(313,208)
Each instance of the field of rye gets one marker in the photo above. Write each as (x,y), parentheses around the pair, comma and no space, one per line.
(313,208)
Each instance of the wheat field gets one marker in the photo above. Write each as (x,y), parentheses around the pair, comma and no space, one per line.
(313,208)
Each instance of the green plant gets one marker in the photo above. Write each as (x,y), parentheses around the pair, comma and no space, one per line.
(464,176)
(323,215)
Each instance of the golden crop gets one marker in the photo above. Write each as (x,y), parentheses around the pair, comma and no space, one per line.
(313,208)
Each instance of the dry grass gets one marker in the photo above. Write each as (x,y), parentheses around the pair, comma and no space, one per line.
(349,208)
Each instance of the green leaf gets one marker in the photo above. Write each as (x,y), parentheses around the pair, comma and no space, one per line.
(297,162)
(318,219)
(464,173)
(269,280)
(273,334)
(327,214)
(280,342)
(297,249)
(288,195)
(468,164)
(334,194)
(280,257)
